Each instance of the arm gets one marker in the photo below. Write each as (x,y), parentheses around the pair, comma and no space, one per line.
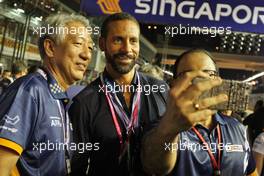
(8,159)
(154,150)
(252,169)
(17,112)
(255,173)
(180,115)
(259,158)
(258,153)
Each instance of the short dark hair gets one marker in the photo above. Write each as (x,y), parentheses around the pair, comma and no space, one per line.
(191,51)
(6,71)
(116,17)
(32,69)
(18,67)
(258,105)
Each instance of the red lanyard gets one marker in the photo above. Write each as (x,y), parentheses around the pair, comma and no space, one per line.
(216,165)
(131,124)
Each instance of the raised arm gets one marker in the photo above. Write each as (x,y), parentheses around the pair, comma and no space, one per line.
(180,116)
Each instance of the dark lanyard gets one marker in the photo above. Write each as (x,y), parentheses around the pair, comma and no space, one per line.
(133,119)
(216,164)
(66,130)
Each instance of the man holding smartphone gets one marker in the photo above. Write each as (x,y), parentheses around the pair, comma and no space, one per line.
(191,138)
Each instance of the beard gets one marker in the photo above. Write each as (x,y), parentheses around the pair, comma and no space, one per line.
(120,68)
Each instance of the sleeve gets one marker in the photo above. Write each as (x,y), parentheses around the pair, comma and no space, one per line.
(79,114)
(258,145)
(160,102)
(18,113)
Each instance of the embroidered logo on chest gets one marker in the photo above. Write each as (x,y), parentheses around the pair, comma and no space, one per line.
(55,121)
(234,148)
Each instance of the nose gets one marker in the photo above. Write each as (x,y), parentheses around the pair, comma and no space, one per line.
(86,54)
(126,47)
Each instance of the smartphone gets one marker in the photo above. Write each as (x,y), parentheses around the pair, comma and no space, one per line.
(238,94)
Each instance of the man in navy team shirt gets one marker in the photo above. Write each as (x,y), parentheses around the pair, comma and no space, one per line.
(191,138)
(33,119)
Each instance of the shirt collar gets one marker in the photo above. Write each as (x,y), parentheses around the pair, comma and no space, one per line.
(108,76)
(56,91)
(219,119)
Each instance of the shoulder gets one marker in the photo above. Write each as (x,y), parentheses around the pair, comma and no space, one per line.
(146,79)
(260,138)
(23,95)
(89,92)
(31,82)
(234,125)
(29,85)
(232,121)
(154,85)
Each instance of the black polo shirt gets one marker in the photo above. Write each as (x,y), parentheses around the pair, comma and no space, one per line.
(92,123)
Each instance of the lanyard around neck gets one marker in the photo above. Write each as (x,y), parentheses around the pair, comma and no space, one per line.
(113,109)
(66,130)
(216,164)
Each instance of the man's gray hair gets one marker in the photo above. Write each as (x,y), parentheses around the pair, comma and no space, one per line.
(54,28)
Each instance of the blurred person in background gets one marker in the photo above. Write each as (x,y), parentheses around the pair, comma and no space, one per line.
(5,81)
(32,113)
(32,69)
(19,69)
(252,122)
(8,75)
(1,70)
(258,145)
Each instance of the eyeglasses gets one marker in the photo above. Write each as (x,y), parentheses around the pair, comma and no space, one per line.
(211,73)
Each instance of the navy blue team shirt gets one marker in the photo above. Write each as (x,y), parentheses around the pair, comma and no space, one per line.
(236,156)
(32,115)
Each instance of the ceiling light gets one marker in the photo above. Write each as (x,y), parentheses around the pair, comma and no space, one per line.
(254,77)
(38,18)
(20,10)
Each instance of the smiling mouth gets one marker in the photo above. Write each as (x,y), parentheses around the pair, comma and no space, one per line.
(81,67)
(124,59)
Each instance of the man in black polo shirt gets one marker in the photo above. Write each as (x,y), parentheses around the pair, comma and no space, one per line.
(192,139)
(116,109)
